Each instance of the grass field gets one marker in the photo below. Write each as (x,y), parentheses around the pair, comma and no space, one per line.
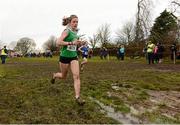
(115,92)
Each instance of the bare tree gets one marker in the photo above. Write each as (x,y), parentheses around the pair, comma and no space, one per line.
(175,6)
(1,44)
(178,35)
(143,19)
(93,41)
(50,44)
(176,2)
(12,45)
(175,10)
(126,34)
(104,34)
(25,45)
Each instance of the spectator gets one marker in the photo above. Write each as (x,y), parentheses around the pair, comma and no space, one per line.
(173,49)
(155,54)
(101,53)
(4,53)
(90,53)
(160,52)
(150,49)
(121,52)
(105,52)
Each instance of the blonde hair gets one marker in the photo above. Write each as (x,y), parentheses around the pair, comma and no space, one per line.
(67,20)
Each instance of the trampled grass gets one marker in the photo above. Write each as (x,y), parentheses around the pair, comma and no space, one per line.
(27,96)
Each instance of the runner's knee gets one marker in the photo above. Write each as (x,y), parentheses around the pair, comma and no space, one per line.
(76,76)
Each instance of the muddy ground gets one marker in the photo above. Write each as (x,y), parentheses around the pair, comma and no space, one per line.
(127,91)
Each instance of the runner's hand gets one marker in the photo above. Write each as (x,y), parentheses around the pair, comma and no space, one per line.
(76,42)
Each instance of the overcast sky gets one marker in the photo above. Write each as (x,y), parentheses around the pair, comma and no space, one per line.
(39,19)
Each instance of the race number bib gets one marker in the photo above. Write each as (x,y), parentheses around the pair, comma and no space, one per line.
(71,47)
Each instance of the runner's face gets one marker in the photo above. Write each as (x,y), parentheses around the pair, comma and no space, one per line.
(74,23)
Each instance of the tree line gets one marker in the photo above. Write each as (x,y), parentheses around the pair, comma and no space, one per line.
(165,29)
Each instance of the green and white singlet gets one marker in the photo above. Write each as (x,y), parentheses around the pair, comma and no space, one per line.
(69,51)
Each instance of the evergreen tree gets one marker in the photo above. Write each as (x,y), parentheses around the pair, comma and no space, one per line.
(164,29)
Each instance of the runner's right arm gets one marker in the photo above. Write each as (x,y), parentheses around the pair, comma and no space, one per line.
(61,42)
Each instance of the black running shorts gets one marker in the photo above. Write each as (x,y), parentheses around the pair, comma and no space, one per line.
(67,60)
